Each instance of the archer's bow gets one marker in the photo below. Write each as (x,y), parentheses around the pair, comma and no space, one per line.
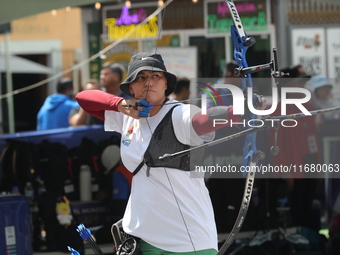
(250,153)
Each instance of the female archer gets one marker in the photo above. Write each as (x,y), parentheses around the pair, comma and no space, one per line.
(169,209)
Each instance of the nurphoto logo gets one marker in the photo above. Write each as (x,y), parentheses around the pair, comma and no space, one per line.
(238,104)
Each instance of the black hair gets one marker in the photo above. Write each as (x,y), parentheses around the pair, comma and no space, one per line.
(182,82)
(64,84)
(230,68)
(93,82)
(115,68)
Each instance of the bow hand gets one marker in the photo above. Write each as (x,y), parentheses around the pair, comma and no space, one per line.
(143,108)
(135,108)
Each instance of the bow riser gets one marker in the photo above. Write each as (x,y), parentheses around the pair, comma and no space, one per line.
(250,154)
(240,50)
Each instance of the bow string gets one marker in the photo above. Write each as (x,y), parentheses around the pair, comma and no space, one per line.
(251,155)
(159,153)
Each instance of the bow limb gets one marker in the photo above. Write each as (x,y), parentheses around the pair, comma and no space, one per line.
(250,154)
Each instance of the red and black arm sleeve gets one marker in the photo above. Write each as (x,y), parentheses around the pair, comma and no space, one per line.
(204,124)
(96,102)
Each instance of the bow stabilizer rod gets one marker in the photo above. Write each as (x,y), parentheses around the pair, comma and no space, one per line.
(272,65)
(168,156)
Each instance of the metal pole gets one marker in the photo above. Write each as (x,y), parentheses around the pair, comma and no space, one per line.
(9,84)
(282,37)
(1,117)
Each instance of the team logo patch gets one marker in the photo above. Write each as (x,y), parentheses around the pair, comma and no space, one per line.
(126,142)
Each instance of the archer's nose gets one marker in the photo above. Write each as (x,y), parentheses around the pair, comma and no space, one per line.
(148,82)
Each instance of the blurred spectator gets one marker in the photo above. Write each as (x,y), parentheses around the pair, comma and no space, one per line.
(322,89)
(298,147)
(78,116)
(182,90)
(111,77)
(56,109)
(299,71)
(229,73)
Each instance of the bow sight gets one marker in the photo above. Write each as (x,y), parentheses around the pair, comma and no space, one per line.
(244,71)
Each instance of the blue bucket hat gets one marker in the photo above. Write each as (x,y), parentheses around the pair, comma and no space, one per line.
(150,62)
(319,81)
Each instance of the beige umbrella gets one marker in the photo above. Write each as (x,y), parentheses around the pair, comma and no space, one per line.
(328,1)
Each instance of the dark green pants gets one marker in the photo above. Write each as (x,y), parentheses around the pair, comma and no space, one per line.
(148,249)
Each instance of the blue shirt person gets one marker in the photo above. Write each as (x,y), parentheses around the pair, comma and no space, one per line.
(56,109)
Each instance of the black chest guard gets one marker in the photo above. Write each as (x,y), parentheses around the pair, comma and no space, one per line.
(164,141)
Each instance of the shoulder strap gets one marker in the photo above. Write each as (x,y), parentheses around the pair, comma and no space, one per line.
(139,167)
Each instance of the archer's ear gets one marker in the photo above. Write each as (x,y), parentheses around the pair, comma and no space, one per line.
(131,89)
